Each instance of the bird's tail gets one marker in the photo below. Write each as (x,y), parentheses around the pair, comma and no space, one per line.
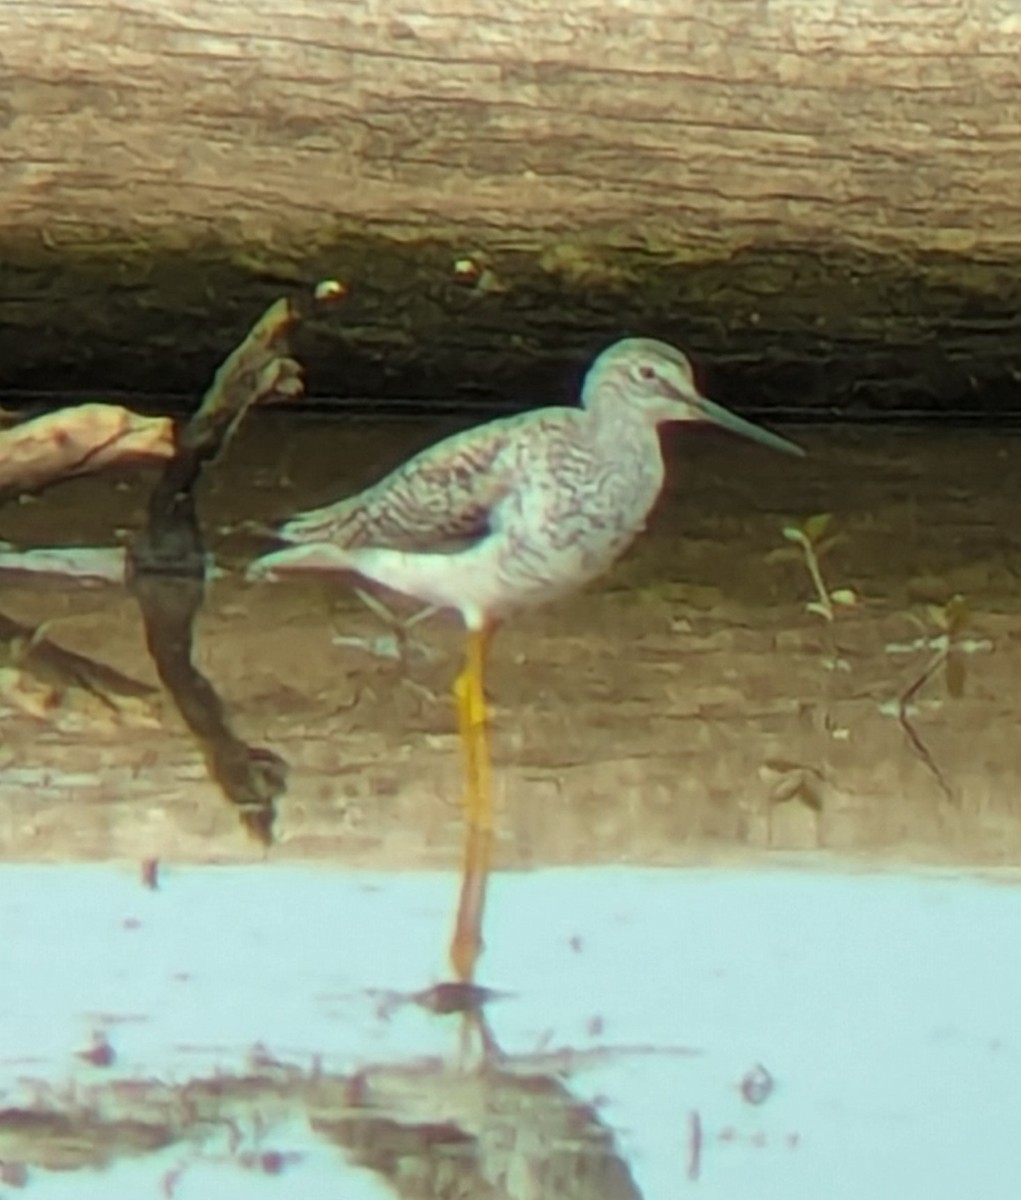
(310,556)
(332,523)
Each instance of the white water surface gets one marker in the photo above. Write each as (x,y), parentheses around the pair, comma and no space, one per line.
(886,1008)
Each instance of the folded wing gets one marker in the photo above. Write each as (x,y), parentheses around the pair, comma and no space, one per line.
(439,500)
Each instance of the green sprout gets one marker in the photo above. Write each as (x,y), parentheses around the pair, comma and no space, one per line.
(810,537)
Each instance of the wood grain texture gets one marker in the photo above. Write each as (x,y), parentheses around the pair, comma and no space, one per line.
(719,121)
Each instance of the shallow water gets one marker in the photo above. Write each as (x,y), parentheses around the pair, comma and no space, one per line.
(688,705)
(776,1032)
(689,712)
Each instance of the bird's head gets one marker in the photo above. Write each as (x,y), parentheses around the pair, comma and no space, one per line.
(656,379)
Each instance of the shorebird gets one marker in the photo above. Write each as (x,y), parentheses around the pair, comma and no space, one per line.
(506,516)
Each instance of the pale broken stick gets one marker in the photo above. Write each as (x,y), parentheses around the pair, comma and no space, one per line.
(69,442)
(76,441)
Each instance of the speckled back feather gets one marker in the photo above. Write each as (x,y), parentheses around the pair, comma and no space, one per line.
(441,499)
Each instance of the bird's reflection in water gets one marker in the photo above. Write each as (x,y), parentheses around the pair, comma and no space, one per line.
(507,1129)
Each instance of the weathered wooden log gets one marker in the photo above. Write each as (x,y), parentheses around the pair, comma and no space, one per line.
(818,197)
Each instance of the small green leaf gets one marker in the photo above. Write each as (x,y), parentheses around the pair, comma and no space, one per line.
(938,615)
(815,526)
(813,606)
(793,534)
(845,597)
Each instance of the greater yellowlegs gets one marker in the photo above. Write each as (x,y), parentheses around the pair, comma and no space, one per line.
(509,515)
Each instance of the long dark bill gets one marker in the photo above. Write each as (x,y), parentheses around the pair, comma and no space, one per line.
(716,414)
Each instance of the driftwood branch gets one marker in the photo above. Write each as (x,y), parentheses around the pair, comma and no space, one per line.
(77,441)
(167,562)
(260,369)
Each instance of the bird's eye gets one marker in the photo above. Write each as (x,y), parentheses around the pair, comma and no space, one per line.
(646,372)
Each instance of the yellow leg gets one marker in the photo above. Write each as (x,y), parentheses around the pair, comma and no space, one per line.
(469,695)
